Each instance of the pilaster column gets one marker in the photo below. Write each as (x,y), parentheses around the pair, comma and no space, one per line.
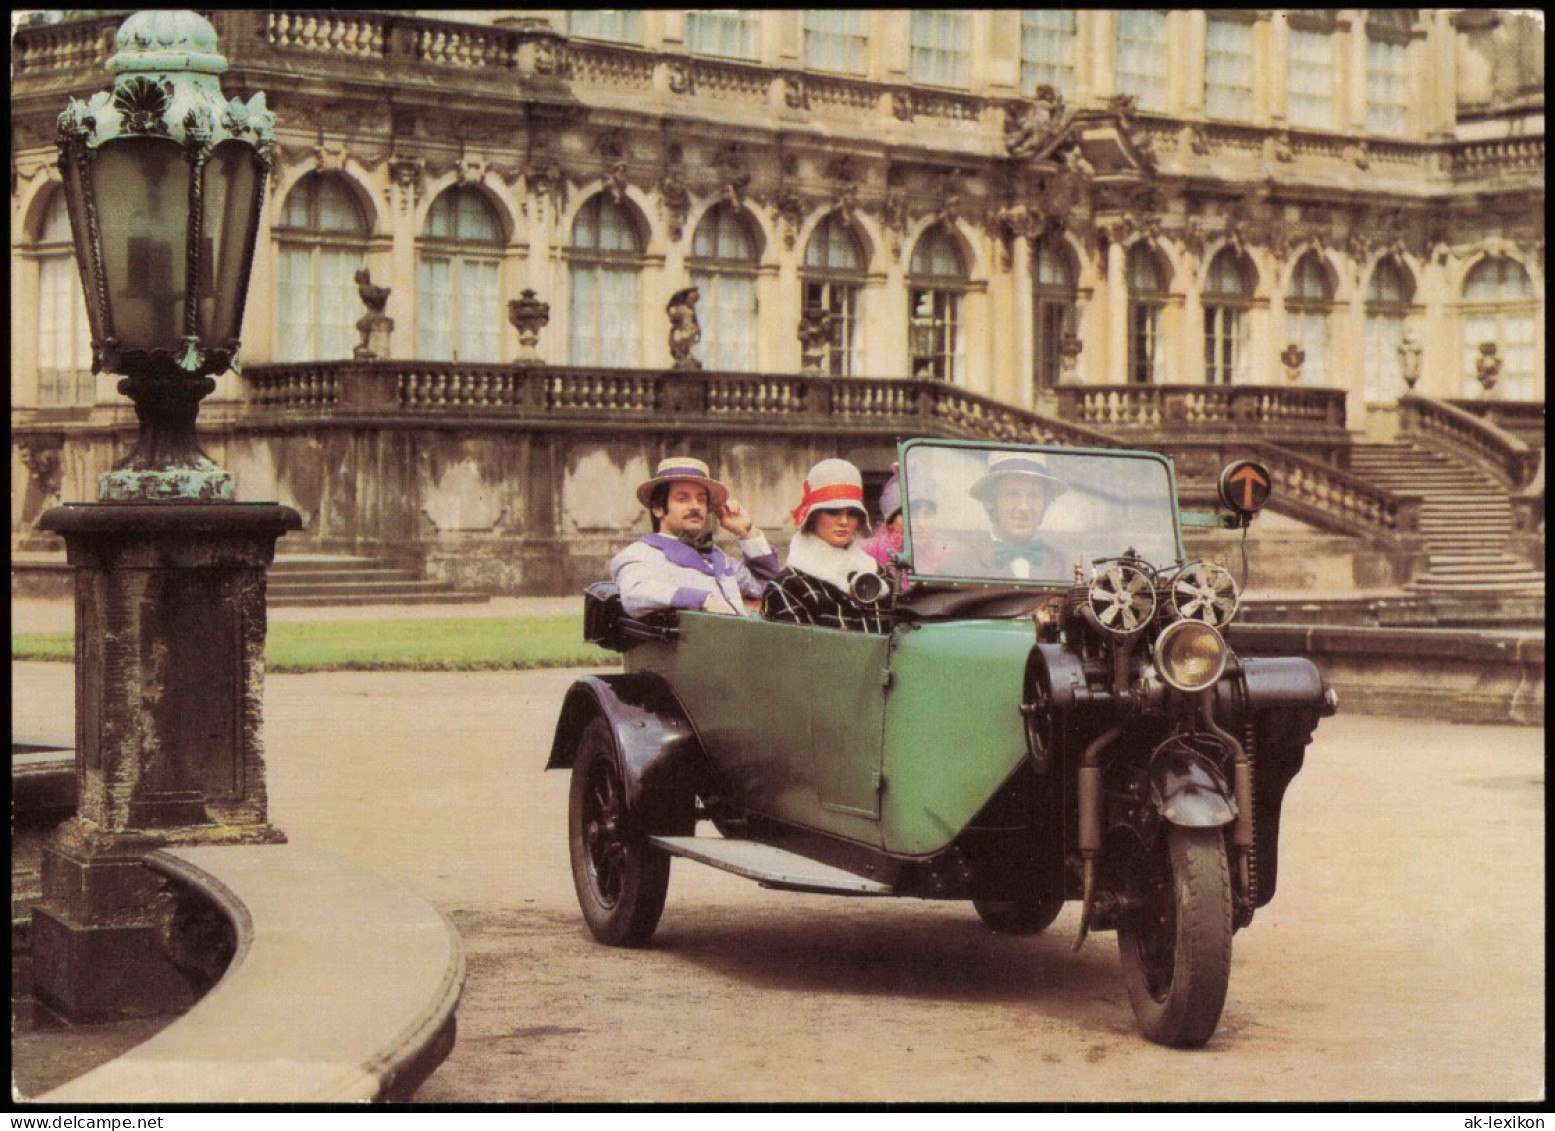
(1117,314)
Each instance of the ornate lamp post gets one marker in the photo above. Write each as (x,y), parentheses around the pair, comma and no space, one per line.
(164,181)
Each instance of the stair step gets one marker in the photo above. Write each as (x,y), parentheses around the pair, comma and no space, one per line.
(347,600)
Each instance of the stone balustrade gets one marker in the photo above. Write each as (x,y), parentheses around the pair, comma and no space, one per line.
(1204,408)
(1523,419)
(1511,460)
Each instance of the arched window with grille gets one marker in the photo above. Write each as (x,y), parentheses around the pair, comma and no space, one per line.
(1228,295)
(1146,300)
(1389,291)
(1309,308)
(1500,308)
(1053,307)
(322,244)
(724,257)
(458,279)
(64,333)
(936,281)
(604,271)
(833,282)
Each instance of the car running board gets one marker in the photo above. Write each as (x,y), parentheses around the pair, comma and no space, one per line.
(770,867)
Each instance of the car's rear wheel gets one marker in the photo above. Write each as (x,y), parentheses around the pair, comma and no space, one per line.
(1176,949)
(1026,916)
(620,878)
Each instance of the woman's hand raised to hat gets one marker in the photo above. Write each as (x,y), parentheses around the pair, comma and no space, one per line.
(732,517)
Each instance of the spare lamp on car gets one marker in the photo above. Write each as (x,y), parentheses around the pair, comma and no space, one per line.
(164,180)
(1190,655)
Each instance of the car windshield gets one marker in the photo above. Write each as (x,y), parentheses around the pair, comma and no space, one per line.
(977,512)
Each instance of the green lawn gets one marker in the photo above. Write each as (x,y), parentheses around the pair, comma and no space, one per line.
(472,644)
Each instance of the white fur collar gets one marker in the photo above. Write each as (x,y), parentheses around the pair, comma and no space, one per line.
(809,554)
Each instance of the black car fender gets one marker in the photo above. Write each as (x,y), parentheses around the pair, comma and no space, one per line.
(656,748)
(1188,789)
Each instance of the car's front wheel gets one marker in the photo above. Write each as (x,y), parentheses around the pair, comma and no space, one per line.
(1176,948)
(620,878)
(1028,916)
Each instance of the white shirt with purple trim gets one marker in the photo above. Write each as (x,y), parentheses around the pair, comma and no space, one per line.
(661,572)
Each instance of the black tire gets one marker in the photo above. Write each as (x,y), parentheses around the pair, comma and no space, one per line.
(620,878)
(1176,951)
(1018,916)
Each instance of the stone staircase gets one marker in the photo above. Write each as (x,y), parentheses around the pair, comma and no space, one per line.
(301,581)
(1465,519)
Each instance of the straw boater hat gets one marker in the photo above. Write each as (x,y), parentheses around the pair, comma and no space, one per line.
(684,469)
(831,485)
(1029,465)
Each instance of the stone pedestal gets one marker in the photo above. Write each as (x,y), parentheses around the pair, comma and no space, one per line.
(170,632)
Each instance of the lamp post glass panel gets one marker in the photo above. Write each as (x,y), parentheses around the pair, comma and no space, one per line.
(164,180)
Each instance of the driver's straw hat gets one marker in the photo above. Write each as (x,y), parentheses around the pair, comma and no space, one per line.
(1029,465)
(831,485)
(684,469)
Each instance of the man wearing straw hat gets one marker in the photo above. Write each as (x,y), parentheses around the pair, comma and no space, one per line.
(677,566)
(1015,491)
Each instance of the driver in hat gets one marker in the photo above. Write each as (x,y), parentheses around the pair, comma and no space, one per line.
(678,566)
(1015,491)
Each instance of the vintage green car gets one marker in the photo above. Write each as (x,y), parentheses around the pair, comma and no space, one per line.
(1067,723)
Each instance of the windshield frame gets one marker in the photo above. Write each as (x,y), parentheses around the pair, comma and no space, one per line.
(918,579)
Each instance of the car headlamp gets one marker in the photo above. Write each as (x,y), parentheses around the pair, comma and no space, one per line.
(1190,655)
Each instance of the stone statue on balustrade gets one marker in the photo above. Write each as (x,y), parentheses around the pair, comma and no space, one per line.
(529,316)
(685,330)
(375,326)
(816,328)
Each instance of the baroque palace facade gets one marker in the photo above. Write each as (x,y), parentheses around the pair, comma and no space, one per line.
(1338,205)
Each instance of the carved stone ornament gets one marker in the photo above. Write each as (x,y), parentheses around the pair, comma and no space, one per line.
(41,455)
(549,184)
(471,170)
(612,144)
(1487,366)
(893,219)
(816,328)
(677,203)
(405,180)
(1293,357)
(846,200)
(1277,147)
(788,209)
(1194,140)
(685,330)
(1409,350)
(796,96)
(616,182)
(681,78)
(901,105)
(528,316)
(1034,129)
(1069,348)
(374,326)
(1358,154)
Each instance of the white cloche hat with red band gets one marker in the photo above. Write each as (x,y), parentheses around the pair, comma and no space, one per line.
(831,485)
(684,469)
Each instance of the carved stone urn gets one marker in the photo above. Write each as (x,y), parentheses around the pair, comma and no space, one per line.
(529,316)
(1293,358)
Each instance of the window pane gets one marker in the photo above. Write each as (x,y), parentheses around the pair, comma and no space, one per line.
(940,48)
(1309,282)
(727,32)
(1224,352)
(1388,284)
(1384,380)
(603,225)
(1047,50)
(1497,280)
(434,292)
(605,313)
(1141,57)
(835,40)
(1144,272)
(1387,89)
(722,234)
(620,26)
(833,247)
(1310,79)
(933,333)
(477,311)
(1225,276)
(1309,330)
(1144,334)
(1052,267)
(936,256)
(844,356)
(727,314)
(1228,70)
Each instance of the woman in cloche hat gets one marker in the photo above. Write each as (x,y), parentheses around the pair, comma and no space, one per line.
(829,581)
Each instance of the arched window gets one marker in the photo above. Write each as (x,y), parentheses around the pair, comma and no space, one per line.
(833,281)
(1499,307)
(936,281)
(322,239)
(1228,293)
(1308,308)
(605,264)
(1389,292)
(458,280)
(723,268)
(1053,307)
(64,333)
(1146,300)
